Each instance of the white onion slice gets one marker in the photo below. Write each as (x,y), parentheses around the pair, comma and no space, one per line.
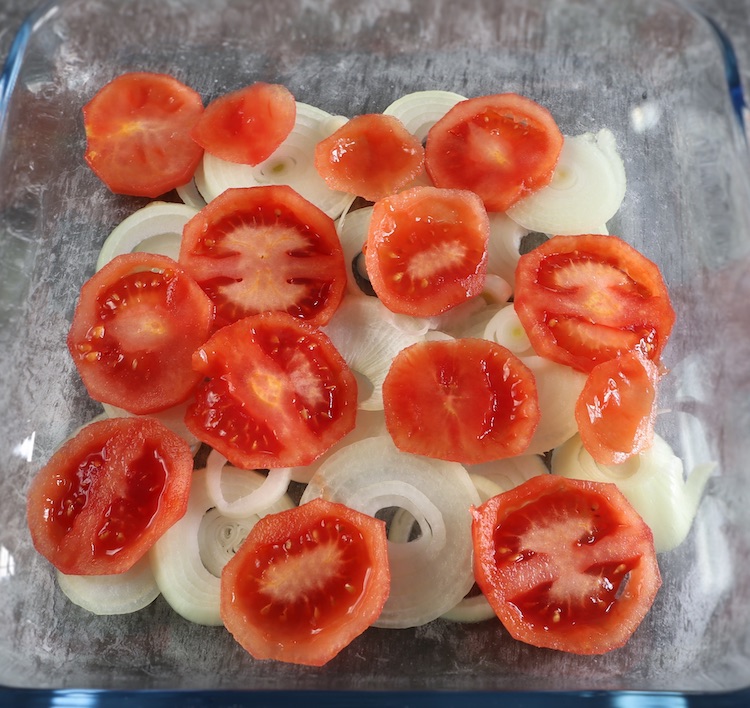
(190,195)
(118,594)
(508,473)
(292,163)
(506,329)
(352,228)
(367,335)
(504,247)
(653,482)
(496,289)
(218,473)
(420,110)
(200,540)
(155,228)
(432,574)
(587,188)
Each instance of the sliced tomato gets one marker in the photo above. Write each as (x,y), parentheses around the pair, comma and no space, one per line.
(464,400)
(616,409)
(135,328)
(248,125)
(503,147)
(108,494)
(138,133)
(372,156)
(265,249)
(426,250)
(585,299)
(306,582)
(277,394)
(565,564)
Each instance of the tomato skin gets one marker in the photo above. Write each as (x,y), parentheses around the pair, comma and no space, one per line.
(565,564)
(372,155)
(277,394)
(463,400)
(137,323)
(306,582)
(128,476)
(616,409)
(247,126)
(138,133)
(265,249)
(503,147)
(585,299)
(426,250)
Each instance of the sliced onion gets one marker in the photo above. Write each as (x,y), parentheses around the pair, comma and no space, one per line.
(118,594)
(190,195)
(219,473)
(352,228)
(653,482)
(188,558)
(506,329)
(504,247)
(510,472)
(155,228)
(420,110)
(292,163)
(433,573)
(586,190)
(496,289)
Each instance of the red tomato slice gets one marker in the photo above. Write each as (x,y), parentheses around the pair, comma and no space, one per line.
(278,393)
(248,125)
(616,409)
(585,299)
(503,147)
(137,323)
(372,156)
(565,564)
(426,250)
(108,494)
(138,134)
(464,400)
(306,582)
(265,249)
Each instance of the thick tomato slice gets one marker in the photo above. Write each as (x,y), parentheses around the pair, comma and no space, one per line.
(426,250)
(372,156)
(108,494)
(306,582)
(565,564)
(503,147)
(248,125)
(137,323)
(138,134)
(265,249)
(616,409)
(585,299)
(277,394)
(464,400)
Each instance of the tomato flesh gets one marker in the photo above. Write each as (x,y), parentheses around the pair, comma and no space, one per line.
(138,134)
(585,299)
(426,250)
(306,582)
(108,494)
(137,323)
(277,393)
(466,400)
(503,147)
(565,564)
(265,249)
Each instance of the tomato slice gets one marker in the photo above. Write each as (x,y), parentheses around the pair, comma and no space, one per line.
(278,393)
(372,156)
(137,323)
(616,409)
(138,133)
(108,494)
(306,582)
(426,250)
(585,299)
(565,564)
(265,249)
(248,125)
(463,400)
(503,147)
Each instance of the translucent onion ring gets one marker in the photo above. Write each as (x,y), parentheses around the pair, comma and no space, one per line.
(190,195)
(420,110)
(504,247)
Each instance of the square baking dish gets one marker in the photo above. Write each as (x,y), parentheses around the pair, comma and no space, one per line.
(653,72)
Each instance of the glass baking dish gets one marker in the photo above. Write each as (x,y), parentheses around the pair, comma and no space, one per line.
(651,71)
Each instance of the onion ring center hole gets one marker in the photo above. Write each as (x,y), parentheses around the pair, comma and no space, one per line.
(530,241)
(219,539)
(400,524)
